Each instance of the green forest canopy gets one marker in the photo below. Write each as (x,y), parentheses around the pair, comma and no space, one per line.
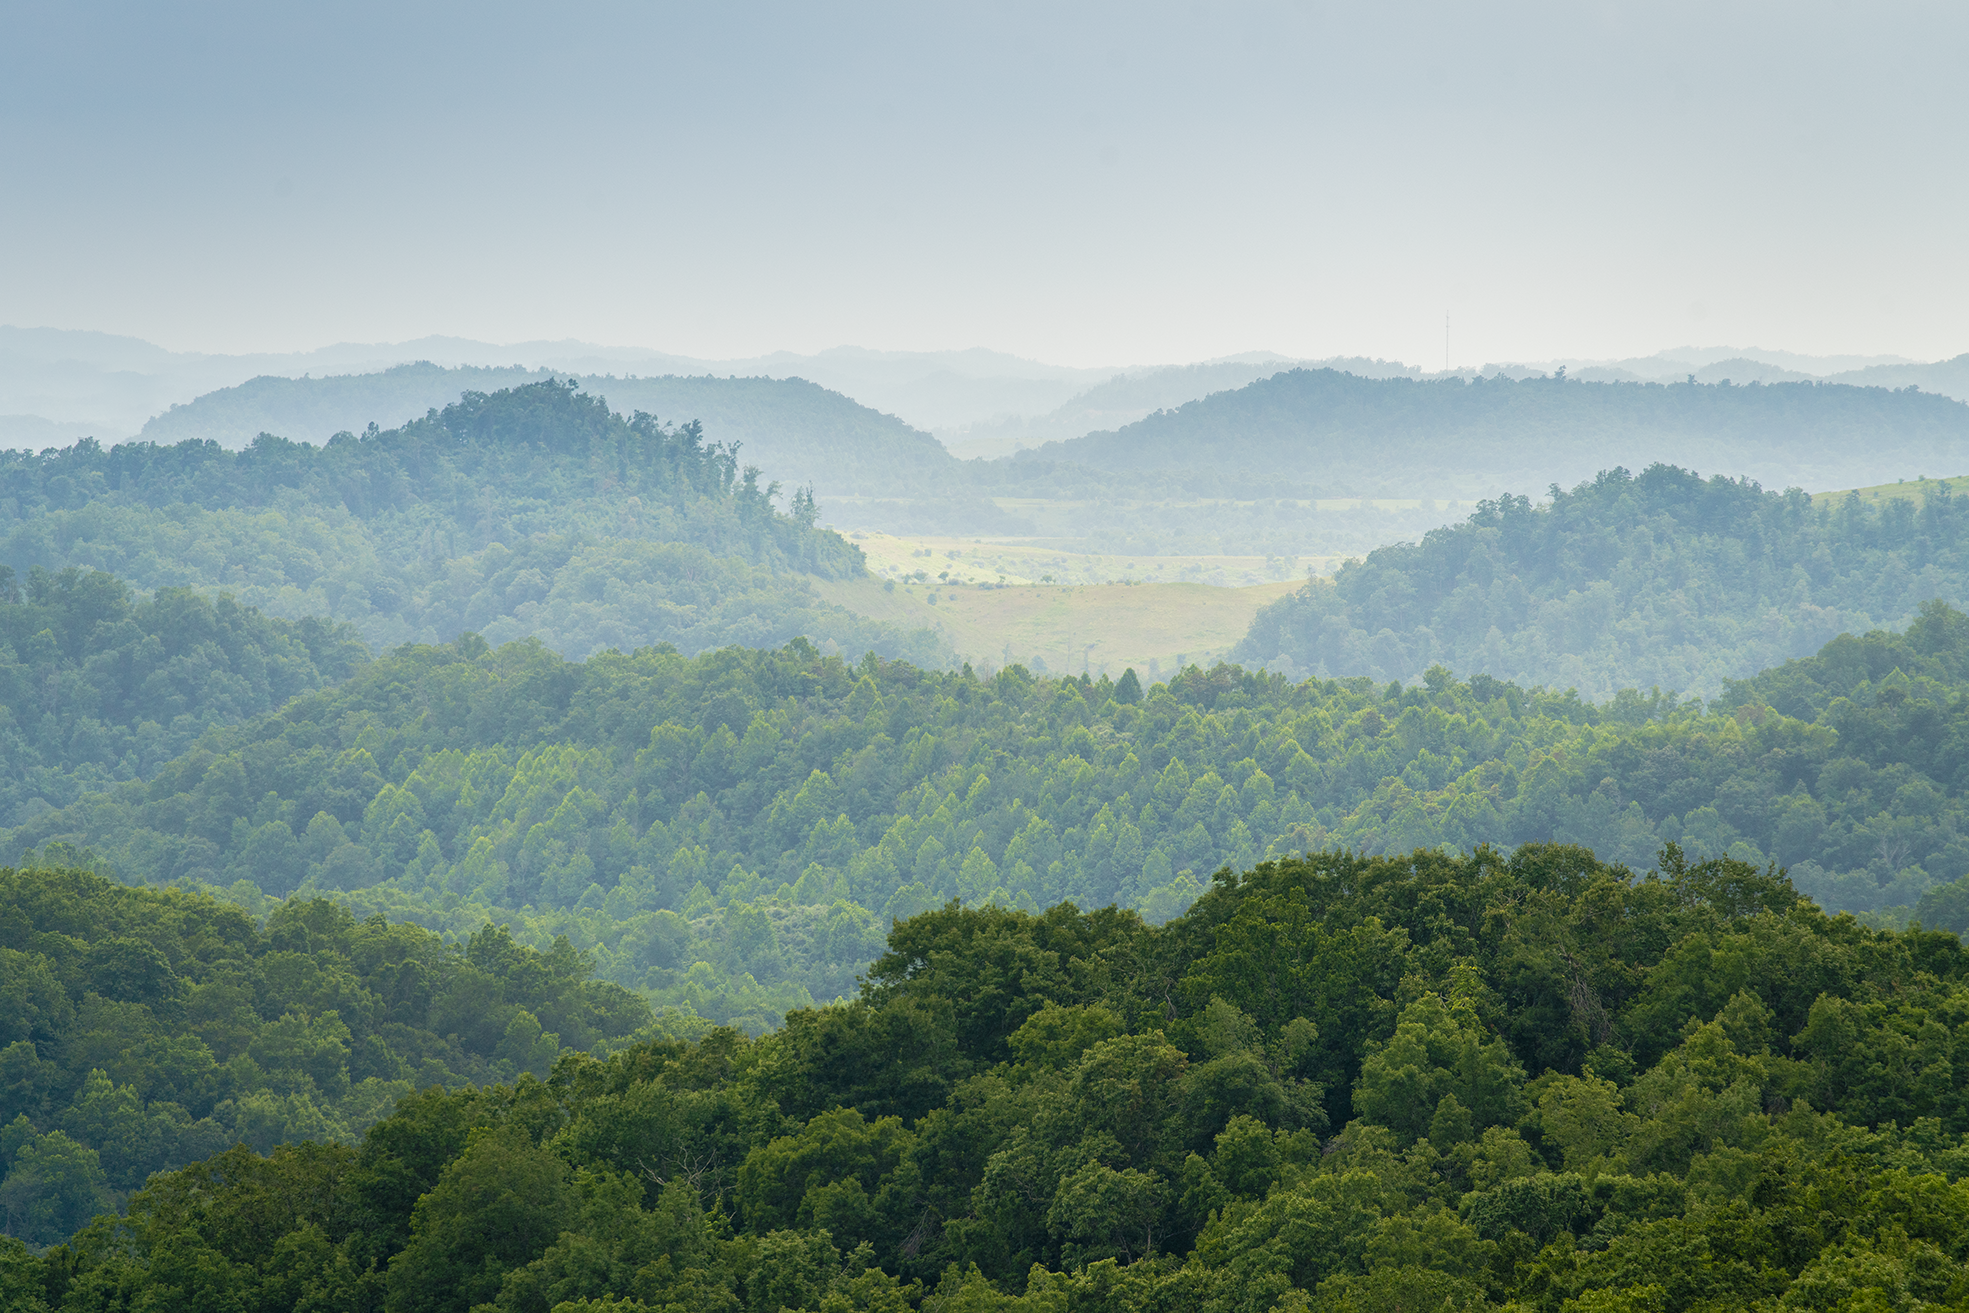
(143,1029)
(734,831)
(1337,1083)
(1660,579)
(97,685)
(535,511)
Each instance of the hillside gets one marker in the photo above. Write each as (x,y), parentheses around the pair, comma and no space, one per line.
(97,685)
(869,470)
(800,432)
(532,511)
(1339,1083)
(1658,579)
(1458,438)
(1915,491)
(1948,377)
(733,832)
(145,1029)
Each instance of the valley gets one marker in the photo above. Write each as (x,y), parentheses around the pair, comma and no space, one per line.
(1061,628)
(533,755)
(984,659)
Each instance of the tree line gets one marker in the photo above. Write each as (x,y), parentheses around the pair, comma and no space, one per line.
(1661,579)
(534,510)
(1338,1082)
(142,1029)
(97,684)
(735,831)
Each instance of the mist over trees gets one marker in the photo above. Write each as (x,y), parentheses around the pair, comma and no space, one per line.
(1662,579)
(531,511)
(433,850)
(1401,437)
(733,832)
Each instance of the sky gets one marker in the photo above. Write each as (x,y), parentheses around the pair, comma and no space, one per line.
(1087,184)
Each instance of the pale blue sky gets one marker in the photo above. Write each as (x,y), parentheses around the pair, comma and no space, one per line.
(1087,184)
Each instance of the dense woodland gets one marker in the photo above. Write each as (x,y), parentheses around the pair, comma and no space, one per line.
(98,685)
(534,511)
(734,832)
(1661,579)
(144,1029)
(1346,1083)
(583,918)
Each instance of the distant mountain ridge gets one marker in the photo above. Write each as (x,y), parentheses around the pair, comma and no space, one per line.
(1131,396)
(1402,437)
(117,383)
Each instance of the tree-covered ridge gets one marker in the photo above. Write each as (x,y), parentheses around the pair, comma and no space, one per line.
(733,831)
(803,432)
(97,685)
(1404,437)
(556,460)
(458,520)
(1663,579)
(143,1029)
(1338,1083)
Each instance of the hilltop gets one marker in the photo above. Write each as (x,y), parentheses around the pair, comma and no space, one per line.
(1459,438)
(535,510)
(1339,1083)
(1662,578)
(801,432)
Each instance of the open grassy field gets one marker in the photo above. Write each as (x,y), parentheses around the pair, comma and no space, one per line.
(1915,490)
(1029,561)
(1154,627)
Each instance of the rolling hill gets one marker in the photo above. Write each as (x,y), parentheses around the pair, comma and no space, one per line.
(1662,578)
(534,510)
(1461,438)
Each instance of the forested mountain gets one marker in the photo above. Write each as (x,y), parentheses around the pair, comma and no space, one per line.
(1662,579)
(800,432)
(531,511)
(1950,377)
(733,831)
(1342,1083)
(1207,476)
(1400,437)
(144,1029)
(98,686)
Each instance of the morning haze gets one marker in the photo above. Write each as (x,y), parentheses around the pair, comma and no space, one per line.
(1293,658)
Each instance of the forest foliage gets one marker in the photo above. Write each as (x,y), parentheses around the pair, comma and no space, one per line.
(1337,1083)
(1661,579)
(534,511)
(99,685)
(735,831)
(143,1029)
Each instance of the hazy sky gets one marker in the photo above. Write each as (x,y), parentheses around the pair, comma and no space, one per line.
(1088,184)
